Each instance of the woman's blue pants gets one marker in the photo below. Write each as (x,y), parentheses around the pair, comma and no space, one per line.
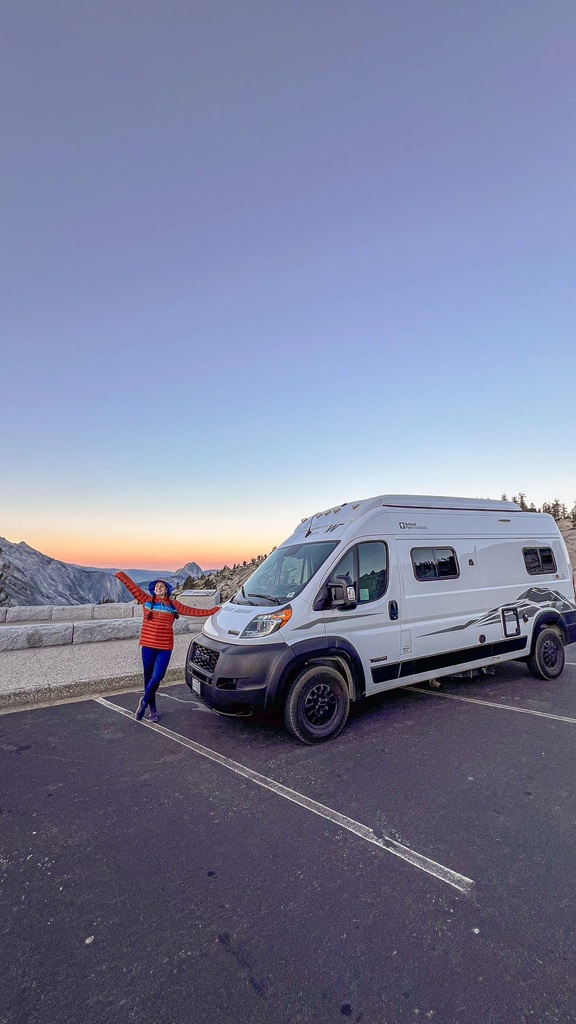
(155,664)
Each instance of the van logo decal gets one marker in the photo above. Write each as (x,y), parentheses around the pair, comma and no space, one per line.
(412,526)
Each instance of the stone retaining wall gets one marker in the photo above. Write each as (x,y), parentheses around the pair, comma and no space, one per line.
(86,612)
(68,612)
(53,634)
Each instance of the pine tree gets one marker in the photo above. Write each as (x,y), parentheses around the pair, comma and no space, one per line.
(555,510)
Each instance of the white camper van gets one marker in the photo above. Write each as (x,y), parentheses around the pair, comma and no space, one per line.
(380,593)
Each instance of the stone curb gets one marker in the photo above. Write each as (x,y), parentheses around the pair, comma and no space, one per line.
(24,697)
(51,634)
(105,629)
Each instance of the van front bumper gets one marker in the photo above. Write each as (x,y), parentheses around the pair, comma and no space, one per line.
(226,675)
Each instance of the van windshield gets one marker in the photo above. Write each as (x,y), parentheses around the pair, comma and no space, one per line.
(284,573)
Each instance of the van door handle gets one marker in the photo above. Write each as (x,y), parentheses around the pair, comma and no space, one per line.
(393,609)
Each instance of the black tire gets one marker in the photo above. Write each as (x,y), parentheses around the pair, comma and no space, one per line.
(547,658)
(187,676)
(317,704)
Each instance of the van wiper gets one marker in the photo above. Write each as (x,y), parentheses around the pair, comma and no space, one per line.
(244,596)
(266,597)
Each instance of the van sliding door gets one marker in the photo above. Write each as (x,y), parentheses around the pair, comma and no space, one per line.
(444,606)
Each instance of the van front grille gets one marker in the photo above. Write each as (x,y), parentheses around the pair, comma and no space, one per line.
(204,658)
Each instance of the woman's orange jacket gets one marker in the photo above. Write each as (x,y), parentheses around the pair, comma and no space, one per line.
(158,629)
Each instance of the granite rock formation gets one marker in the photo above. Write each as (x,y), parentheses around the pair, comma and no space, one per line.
(27,577)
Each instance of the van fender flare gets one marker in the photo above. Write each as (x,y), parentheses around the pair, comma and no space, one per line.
(333,651)
(544,619)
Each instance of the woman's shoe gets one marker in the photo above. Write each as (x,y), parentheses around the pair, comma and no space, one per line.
(141,709)
(153,716)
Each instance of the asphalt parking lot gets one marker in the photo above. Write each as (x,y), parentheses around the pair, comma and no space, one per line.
(420,867)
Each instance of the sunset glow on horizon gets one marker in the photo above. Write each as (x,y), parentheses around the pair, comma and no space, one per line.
(158,553)
(123,558)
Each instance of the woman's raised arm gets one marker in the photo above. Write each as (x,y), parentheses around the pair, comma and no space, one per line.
(185,609)
(137,592)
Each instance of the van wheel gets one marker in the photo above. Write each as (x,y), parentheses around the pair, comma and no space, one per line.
(547,659)
(317,704)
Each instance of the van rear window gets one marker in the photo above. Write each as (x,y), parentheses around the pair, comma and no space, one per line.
(539,561)
(434,564)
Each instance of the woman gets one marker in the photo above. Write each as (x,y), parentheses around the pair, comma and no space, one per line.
(156,635)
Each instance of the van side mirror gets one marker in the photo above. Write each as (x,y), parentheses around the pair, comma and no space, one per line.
(342,593)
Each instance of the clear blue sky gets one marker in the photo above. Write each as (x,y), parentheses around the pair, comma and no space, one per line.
(260,258)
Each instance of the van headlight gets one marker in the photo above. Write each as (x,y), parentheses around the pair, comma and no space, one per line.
(269,622)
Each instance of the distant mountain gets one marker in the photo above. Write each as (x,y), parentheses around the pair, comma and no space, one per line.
(145,576)
(190,569)
(29,577)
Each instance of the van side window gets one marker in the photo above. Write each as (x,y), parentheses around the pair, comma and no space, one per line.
(434,563)
(372,571)
(539,560)
(367,566)
(345,566)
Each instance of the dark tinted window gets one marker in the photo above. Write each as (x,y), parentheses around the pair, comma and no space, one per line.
(346,566)
(446,563)
(367,566)
(372,571)
(434,563)
(424,563)
(548,560)
(532,560)
(539,560)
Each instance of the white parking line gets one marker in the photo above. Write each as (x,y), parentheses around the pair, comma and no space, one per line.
(458,881)
(492,704)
